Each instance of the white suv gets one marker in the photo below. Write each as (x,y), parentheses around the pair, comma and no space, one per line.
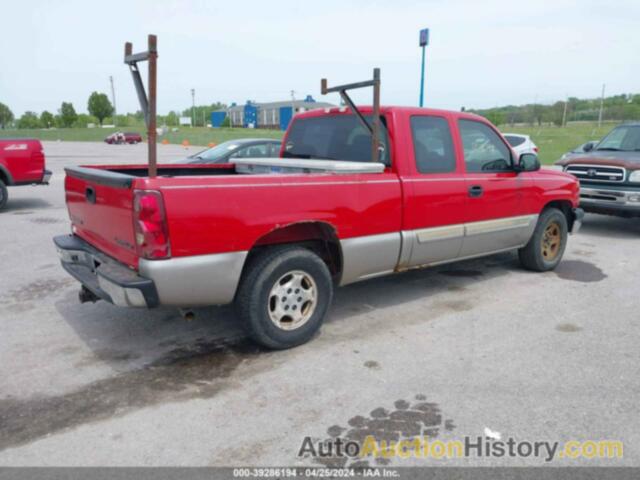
(521,143)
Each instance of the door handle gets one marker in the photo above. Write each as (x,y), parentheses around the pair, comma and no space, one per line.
(475,191)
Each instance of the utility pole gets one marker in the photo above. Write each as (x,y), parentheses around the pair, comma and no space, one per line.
(193,107)
(113,100)
(564,113)
(601,107)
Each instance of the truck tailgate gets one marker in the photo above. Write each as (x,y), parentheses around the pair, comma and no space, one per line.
(100,206)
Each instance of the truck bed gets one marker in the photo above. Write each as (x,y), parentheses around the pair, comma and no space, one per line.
(215,208)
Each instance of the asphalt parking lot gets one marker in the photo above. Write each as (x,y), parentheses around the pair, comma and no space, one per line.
(549,356)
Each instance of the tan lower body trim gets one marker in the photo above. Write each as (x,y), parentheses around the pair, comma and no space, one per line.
(498,225)
(376,255)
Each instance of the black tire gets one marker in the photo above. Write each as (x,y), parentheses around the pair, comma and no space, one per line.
(256,303)
(4,195)
(539,255)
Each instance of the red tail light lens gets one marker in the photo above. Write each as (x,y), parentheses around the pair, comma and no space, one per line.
(535,149)
(150,225)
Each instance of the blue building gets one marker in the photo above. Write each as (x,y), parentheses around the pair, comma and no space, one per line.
(274,115)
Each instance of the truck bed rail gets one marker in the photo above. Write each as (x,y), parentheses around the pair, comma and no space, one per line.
(101,176)
(298,165)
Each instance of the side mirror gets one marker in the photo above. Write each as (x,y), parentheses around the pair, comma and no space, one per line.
(588,147)
(528,162)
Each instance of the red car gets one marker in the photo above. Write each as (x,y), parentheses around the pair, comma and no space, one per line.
(22,162)
(123,137)
(276,236)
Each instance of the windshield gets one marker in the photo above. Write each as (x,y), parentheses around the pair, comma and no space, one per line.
(623,138)
(211,155)
(335,137)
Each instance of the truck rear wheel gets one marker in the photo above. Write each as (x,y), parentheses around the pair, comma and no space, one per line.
(284,296)
(4,195)
(546,247)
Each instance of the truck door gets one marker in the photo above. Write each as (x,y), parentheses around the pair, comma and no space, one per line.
(435,203)
(497,217)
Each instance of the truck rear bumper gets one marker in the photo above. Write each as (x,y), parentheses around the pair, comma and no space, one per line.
(106,278)
(46,176)
(181,282)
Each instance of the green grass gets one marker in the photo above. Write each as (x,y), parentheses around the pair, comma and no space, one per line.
(554,141)
(195,136)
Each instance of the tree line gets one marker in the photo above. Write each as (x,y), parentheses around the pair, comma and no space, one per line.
(98,105)
(100,111)
(617,107)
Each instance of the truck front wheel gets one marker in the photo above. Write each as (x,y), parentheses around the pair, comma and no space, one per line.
(284,296)
(546,246)
(4,195)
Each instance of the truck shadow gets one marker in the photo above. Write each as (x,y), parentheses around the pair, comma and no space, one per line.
(127,339)
(611,227)
(158,357)
(448,288)
(19,206)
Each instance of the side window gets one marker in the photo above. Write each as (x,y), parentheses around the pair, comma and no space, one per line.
(484,151)
(275,150)
(252,151)
(240,153)
(258,151)
(432,144)
(513,140)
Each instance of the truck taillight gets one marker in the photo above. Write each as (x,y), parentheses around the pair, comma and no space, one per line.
(150,225)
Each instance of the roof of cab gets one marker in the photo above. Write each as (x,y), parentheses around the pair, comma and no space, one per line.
(390,109)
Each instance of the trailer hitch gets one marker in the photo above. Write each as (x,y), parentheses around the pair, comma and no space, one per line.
(374,129)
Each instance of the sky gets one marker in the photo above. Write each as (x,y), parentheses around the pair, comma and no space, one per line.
(481,54)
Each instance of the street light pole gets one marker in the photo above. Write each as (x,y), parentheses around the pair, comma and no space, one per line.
(422,78)
(601,107)
(424,41)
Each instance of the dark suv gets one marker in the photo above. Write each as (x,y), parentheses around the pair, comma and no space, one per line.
(609,173)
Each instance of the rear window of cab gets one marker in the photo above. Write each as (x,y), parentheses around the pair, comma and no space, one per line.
(334,137)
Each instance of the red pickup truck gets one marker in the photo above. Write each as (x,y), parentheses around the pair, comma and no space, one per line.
(119,138)
(276,235)
(21,163)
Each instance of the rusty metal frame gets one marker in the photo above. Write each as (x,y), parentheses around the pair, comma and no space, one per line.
(374,129)
(147,104)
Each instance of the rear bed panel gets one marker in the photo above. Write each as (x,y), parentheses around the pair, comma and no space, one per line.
(227,214)
(106,224)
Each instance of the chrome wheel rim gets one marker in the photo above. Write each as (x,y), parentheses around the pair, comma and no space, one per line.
(551,240)
(292,300)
